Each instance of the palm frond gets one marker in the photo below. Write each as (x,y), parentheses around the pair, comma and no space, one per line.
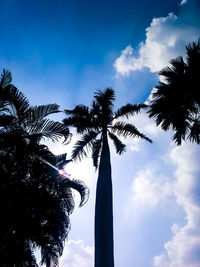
(194,135)
(18,101)
(127,129)
(80,118)
(80,187)
(96,149)
(49,256)
(119,146)
(105,100)
(86,141)
(78,110)
(129,110)
(6,78)
(105,97)
(48,129)
(176,70)
(82,124)
(40,112)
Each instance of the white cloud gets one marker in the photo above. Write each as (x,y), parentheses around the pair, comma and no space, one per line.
(166,38)
(149,188)
(127,62)
(77,254)
(183,250)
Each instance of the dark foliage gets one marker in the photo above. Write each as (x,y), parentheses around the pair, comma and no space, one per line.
(176,102)
(35,202)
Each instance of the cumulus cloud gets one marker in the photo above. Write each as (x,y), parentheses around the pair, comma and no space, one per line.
(149,188)
(166,38)
(77,254)
(183,250)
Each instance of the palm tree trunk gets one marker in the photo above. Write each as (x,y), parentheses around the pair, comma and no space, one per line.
(104,255)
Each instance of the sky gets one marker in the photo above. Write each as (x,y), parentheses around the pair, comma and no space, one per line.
(62,52)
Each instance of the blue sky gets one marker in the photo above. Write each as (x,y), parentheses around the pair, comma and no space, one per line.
(61,52)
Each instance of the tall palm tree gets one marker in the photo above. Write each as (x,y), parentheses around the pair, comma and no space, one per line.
(95,125)
(176,101)
(35,200)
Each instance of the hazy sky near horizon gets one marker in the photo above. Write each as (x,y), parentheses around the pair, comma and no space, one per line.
(62,52)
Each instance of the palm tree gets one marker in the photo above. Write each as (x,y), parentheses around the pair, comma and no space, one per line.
(95,125)
(35,201)
(176,102)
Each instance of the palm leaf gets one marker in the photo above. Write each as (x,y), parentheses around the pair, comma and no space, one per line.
(119,146)
(80,118)
(40,112)
(129,110)
(175,71)
(80,187)
(96,148)
(105,100)
(127,129)
(78,110)
(6,78)
(86,141)
(194,135)
(82,124)
(48,129)
(50,256)
(18,101)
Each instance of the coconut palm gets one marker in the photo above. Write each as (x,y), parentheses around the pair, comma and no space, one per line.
(35,200)
(176,101)
(96,125)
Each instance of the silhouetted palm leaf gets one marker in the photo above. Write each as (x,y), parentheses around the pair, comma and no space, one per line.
(194,135)
(79,118)
(129,110)
(6,78)
(86,141)
(105,100)
(96,151)
(40,112)
(80,187)
(49,129)
(19,104)
(119,146)
(126,129)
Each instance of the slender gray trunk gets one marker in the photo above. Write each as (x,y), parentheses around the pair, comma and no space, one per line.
(104,255)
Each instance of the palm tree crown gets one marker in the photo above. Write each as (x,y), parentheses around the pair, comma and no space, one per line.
(99,118)
(176,102)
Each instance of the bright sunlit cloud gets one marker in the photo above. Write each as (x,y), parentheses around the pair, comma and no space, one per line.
(184,247)
(77,254)
(166,38)
(149,188)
